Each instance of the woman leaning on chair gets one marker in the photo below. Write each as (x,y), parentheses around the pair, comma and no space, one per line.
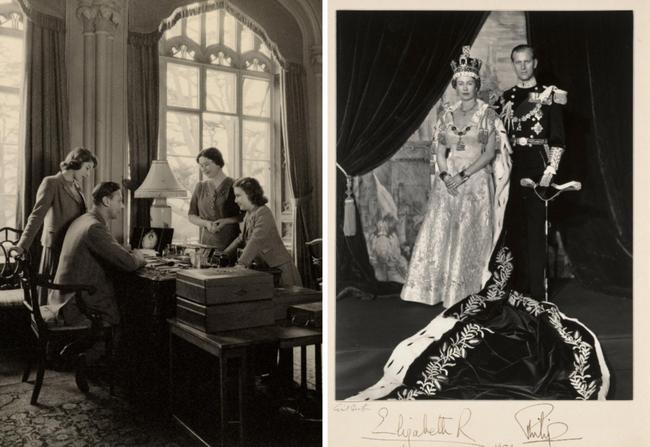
(260,239)
(59,201)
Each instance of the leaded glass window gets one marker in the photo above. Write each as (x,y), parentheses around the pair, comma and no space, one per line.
(218,89)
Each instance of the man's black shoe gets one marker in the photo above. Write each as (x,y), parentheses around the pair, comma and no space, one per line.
(80,377)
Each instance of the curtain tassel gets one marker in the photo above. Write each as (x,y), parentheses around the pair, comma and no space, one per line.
(349,212)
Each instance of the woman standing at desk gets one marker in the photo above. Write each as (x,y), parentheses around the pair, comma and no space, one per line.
(212,207)
(59,201)
(260,237)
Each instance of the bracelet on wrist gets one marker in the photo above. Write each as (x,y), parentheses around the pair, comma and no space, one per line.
(443,175)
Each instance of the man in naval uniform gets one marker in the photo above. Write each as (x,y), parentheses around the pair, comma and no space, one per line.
(532,115)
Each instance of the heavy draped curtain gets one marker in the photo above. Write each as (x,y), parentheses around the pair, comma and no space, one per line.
(296,142)
(590,56)
(392,66)
(142,92)
(45,104)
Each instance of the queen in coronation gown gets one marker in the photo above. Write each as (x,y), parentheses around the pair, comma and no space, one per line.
(462,224)
(494,342)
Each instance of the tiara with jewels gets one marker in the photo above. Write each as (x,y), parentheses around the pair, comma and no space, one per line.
(466,66)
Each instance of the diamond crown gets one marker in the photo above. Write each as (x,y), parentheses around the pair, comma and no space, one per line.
(466,66)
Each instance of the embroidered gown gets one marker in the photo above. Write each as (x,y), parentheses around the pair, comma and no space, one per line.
(458,234)
(497,344)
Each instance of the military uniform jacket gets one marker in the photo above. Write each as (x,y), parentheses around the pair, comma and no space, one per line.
(533,113)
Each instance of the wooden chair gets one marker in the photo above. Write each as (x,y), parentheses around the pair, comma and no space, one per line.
(315,249)
(13,318)
(49,330)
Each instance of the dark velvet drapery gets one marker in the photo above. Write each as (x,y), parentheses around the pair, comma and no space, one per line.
(296,141)
(392,66)
(47,136)
(589,54)
(142,92)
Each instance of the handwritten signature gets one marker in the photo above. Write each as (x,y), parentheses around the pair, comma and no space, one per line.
(352,408)
(537,426)
(430,428)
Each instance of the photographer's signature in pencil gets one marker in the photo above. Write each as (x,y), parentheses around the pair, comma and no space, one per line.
(539,426)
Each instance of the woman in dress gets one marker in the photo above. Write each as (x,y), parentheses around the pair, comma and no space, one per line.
(59,201)
(212,206)
(494,343)
(470,189)
(260,239)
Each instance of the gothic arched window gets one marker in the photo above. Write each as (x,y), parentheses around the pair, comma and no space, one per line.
(12,61)
(218,90)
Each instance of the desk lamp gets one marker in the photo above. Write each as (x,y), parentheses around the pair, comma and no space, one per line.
(159,184)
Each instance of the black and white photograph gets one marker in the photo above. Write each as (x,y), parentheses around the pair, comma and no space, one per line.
(134,126)
(483,215)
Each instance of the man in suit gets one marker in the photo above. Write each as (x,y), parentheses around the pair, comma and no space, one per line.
(533,116)
(88,255)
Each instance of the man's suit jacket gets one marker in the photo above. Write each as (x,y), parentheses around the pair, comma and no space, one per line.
(55,209)
(261,239)
(88,255)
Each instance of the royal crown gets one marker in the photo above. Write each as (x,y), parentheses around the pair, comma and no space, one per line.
(466,66)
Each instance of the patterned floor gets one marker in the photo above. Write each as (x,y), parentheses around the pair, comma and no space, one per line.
(66,417)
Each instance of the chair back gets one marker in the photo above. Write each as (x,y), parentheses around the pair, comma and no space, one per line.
(9,267)
(315,249)
(29,283)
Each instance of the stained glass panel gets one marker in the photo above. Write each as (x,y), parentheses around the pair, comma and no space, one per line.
(257,97)
(230,31)
(182,134)
(11,61)
(221,91)
(182,85)
(256,140)
(193,29)
(212,27)
(220,131)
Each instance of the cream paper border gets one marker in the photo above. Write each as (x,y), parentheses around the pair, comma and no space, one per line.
(599,424)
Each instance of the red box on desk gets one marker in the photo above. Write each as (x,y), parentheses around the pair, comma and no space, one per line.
(223,299)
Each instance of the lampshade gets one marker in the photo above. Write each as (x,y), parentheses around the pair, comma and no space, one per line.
(160,182)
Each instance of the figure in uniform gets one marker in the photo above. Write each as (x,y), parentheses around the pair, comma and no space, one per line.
(532,114)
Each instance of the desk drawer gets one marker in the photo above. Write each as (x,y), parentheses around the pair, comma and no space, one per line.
(225,317)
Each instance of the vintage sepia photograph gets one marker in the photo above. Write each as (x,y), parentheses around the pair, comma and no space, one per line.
(484,205)
(160,222)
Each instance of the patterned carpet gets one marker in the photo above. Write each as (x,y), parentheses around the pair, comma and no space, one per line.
(65,417)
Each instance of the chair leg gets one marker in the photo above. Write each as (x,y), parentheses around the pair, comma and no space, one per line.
(28,366)
(40,372)
(110,360)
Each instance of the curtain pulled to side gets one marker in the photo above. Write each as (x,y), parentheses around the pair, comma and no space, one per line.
(296,144)
(46,135)
(392,66)
(590,55)
(142,104)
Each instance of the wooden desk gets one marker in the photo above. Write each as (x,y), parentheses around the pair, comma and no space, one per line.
(229,346)
(146,300)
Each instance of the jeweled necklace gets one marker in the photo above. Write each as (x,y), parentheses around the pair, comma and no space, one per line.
(460,146)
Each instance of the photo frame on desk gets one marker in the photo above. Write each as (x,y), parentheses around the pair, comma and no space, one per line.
(152,238)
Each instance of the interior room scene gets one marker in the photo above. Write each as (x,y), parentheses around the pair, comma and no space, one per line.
(484,205)
(160,227)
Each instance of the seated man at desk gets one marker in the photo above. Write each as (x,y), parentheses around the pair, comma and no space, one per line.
(88,254)
(259,238)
